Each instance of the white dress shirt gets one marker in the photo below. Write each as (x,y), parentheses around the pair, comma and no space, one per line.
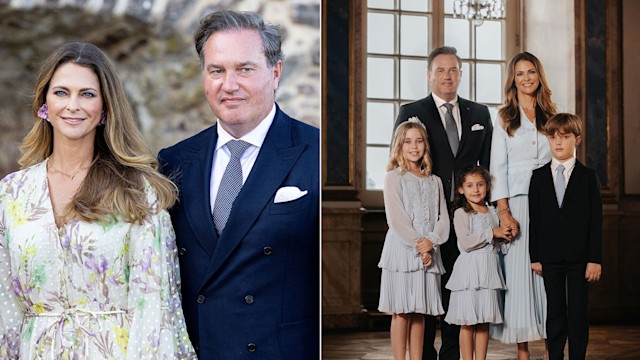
(443,110)
(222,155)
(568,169)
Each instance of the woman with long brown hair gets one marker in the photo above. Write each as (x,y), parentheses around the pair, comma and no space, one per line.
(88,264)
(518,147)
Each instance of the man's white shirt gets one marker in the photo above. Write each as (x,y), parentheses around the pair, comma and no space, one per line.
(222,155)
(442,110)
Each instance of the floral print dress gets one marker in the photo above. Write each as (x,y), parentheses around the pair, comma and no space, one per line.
(85,290)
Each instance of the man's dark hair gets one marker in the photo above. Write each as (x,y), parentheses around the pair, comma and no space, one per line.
(443,50)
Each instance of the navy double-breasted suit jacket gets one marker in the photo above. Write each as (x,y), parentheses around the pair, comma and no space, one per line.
(253,291)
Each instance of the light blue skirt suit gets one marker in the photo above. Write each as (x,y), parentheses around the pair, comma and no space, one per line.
(513,158)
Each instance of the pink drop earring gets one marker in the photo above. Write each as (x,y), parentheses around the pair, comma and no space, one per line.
(43,112)
(103,118)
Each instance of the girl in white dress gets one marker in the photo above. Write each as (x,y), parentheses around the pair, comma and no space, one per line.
(476,280)
(418,223)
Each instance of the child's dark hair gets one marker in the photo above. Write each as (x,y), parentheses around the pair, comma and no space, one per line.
(460,201)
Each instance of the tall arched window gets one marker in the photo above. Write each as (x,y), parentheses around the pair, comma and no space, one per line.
(400,34)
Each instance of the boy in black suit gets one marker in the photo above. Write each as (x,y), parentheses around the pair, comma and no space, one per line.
(565,242)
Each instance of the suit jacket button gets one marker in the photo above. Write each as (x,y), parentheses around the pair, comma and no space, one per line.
(182,252)
(251,347)
(267,250)
(248,299)
(200,299)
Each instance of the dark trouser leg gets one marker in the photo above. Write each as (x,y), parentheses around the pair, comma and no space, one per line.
(428,350)
(555,279)
(450,334)
(577,299)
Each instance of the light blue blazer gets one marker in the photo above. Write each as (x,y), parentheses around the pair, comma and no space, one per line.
(513,158)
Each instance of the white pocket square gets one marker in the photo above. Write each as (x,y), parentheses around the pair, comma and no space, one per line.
(288,193)
(477,127)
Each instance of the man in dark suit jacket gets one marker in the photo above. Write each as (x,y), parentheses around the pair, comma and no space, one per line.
(250,284)
(463,126)
(565,236)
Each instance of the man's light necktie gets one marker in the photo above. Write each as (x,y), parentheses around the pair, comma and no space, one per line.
(452,135)
(451,128)
(230,184)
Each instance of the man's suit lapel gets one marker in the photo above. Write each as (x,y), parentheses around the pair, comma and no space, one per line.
(433,117)
(196,178)
(432,112)
(438,129)
(465,123)
(274,162)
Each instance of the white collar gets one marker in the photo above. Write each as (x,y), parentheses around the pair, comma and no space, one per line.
(568,165)
(439,102)
(254,137)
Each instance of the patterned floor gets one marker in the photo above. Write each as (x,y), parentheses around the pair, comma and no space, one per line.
(605,342)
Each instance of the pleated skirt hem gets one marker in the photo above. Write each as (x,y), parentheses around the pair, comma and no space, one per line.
(471,307)
(525,304)
(410,292)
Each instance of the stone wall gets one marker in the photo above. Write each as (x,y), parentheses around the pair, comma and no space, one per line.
(150,42)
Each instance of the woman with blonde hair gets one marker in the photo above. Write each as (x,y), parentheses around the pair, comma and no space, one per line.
(87,252)
(518,147)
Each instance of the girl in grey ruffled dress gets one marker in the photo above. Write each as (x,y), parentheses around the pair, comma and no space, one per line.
(418,224)
(476,280)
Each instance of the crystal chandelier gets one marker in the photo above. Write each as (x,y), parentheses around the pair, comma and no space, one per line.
(478,9)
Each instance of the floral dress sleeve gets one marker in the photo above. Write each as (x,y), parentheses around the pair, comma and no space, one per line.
(11,314)
(158,329)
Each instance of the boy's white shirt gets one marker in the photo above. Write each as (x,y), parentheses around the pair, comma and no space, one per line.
(568,169)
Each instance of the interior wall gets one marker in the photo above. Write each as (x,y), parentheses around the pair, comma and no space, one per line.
(549,34)
(631,94)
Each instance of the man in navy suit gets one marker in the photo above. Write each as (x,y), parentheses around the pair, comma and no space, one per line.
(250,284)
(459,134)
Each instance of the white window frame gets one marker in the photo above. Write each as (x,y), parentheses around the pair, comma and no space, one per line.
(511,44)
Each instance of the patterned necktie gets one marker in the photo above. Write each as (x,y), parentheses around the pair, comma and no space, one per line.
(560,184)
(452,129)
(230,184)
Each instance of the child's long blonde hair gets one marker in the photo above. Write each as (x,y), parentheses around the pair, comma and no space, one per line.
(397,159)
